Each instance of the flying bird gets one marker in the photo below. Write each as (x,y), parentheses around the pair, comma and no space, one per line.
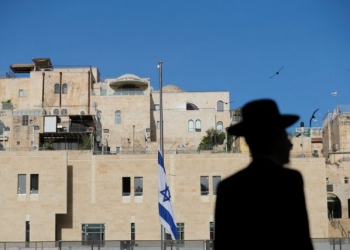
(277,72)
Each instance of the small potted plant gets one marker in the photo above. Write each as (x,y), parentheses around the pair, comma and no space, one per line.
(7,105)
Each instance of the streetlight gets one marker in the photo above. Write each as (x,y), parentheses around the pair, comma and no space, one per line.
(312,117)
(302,135)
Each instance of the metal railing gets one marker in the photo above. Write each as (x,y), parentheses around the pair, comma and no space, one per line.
(318,244)
(144,151)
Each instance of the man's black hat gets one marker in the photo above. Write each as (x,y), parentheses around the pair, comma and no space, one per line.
(261,116)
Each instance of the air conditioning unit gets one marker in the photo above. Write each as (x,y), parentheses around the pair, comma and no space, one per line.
(35,148)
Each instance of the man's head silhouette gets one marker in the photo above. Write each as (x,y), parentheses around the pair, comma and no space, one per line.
(264,129)
(262,117)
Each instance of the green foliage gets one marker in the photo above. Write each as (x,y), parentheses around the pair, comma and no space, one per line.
(85,142)
(207,142)
(47,146)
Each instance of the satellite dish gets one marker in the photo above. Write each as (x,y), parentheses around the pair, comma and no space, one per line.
(94,104)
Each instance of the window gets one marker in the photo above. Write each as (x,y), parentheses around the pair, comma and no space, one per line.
(216,180)
(138,185)
(190,126)
(220,106)
(20,93)
(56,112)
(117,150)
(191,106)
(57,88)
(27,231)
(24,120)
(118,117)
(346,180)
(156,107)
(204,185)
(126,186)
(21,185)
(211,230)
(18,143)
(64,88)
(219,126)
(132,231)
(198,126)
(34,184)
(93,232)
(181,232)
(64,112)
(158,125)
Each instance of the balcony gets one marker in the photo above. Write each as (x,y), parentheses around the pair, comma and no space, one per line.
(7,105)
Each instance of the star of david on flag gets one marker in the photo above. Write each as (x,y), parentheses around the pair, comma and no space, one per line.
(166,213)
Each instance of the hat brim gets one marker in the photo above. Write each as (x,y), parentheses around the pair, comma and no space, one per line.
(240,129)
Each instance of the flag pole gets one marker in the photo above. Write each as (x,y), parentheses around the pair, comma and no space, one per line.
(161,108)
(161,145)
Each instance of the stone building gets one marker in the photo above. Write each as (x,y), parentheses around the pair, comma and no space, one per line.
(78,155)
(60,107)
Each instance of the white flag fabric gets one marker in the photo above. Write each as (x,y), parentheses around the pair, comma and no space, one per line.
(166,213)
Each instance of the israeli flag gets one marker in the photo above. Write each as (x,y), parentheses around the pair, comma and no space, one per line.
(166,213)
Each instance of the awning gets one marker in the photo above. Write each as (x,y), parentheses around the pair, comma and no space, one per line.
(22,68)
(42,63)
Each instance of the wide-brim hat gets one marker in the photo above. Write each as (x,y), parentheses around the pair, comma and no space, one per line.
(261,116)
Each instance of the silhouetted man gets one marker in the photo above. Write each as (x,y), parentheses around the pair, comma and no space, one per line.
(263,205)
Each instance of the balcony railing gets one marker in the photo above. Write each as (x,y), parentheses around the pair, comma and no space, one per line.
(205,244)
(123,92)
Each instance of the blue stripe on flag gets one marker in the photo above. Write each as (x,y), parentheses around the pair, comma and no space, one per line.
(160,161)
(164,213)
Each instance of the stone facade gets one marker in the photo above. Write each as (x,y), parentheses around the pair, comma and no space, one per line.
(121,118)
(79,188)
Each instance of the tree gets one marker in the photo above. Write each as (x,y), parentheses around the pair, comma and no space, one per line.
(85,142)
(215,137)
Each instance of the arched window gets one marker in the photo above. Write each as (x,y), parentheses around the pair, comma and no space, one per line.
(346,180)
(57,88)
(190,126)
(198,126)
(64,88)
(64,112)
(219,126)
(118,117)
(220,106)
(56,112)
(191,106)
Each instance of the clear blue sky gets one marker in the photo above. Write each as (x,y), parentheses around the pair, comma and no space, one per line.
(206,45)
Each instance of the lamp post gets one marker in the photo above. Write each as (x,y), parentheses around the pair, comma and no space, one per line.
(311,119)
(302,135)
